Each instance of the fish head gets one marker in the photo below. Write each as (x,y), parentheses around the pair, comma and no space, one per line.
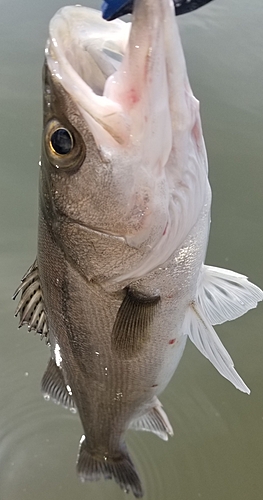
(123,152)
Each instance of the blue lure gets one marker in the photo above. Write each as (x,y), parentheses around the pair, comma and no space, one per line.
(116,8)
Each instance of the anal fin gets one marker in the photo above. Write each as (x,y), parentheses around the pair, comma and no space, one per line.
(154,420)
(53,386)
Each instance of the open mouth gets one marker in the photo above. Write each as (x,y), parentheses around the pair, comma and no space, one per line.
(118,74)
(83,44)
(83,51)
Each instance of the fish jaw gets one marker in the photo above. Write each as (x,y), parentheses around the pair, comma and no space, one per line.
(76,54)
(152,86)
(144,120)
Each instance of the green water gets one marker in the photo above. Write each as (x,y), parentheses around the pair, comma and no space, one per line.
(217,450)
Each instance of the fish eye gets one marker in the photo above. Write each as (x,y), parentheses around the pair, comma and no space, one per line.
(61,141)
(63,145)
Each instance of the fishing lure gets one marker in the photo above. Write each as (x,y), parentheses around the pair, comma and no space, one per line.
(116,8)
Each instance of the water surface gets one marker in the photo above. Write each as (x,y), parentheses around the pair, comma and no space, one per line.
(217,450)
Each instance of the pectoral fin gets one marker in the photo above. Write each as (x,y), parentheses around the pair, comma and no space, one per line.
(203,335)
(154,420)
(132,325)
(31,305)
(53,386)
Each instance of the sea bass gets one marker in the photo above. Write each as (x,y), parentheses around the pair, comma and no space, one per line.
(119,282)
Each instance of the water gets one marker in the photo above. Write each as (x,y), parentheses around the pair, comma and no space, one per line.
(217,450)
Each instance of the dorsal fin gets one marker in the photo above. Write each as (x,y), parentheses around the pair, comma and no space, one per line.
(154,420)
(132,324)
(53,386)
(31,305)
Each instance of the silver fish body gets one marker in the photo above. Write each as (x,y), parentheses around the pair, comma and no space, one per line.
(114,381)
(119,281)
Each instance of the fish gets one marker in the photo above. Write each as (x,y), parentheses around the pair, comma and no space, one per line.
(119,282)
(116,8)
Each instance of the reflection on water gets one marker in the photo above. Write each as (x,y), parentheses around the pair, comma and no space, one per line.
(217,450)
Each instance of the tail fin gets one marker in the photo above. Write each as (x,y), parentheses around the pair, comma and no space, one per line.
(120,468)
